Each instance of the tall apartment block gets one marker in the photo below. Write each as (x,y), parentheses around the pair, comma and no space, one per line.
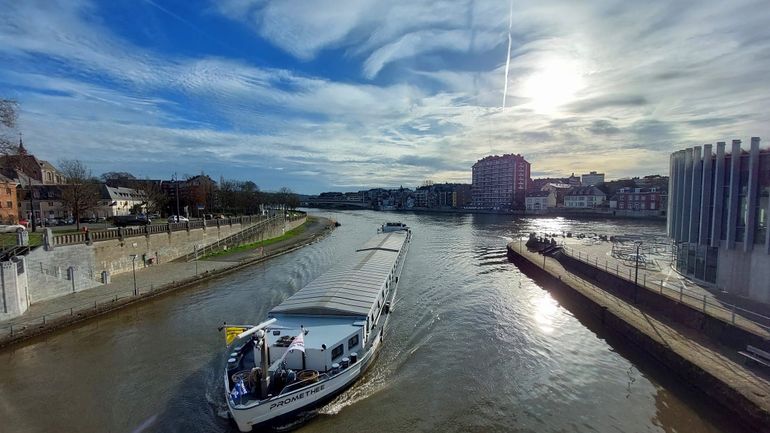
(500,182)
(719,200)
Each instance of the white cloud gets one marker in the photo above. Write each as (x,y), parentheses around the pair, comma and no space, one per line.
(653,78)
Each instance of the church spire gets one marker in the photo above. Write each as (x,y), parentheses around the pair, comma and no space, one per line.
(22,150)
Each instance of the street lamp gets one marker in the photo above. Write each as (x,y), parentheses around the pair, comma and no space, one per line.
(133,269)
(636,273)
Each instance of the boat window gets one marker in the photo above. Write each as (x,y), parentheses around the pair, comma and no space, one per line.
(353,342)
(337,352)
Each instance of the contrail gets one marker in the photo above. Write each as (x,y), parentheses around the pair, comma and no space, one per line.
(508,57)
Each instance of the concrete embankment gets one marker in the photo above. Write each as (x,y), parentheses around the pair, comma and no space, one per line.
(699,355)
(26,328)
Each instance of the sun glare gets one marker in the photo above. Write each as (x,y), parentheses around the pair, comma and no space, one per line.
(553,84)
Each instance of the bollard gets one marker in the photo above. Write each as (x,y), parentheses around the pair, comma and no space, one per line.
(605,266)
(644,280)
(661,286)
(681,293)
(44,319)
(733,318)
(70,311)
(11,329)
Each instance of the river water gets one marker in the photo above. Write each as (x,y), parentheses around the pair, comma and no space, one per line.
(473,345)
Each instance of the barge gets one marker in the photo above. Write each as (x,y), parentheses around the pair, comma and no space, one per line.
(317,342)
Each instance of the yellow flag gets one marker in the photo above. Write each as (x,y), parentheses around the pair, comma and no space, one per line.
(231,332)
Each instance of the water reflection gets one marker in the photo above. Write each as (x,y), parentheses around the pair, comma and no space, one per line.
(473,345)
(545,310)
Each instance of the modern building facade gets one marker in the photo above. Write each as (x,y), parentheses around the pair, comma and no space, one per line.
(592,178)
(718,205)
(500,182)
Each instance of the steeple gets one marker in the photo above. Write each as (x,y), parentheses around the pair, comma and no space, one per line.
(22,150)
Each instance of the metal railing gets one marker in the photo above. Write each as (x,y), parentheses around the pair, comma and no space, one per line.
(132,231)
(106,300)
(725,311)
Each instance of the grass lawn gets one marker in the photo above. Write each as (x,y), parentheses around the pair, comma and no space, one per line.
(9,239)
(263,243)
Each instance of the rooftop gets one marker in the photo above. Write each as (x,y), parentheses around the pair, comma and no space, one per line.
(352,288)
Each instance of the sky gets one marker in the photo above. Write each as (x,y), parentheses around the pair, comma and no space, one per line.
(342,95)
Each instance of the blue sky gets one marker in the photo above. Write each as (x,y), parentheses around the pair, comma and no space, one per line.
(342,95)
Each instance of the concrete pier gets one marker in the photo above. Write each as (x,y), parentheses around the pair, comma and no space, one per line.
(704,363)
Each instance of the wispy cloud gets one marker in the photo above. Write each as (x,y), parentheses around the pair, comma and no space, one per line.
(367,93)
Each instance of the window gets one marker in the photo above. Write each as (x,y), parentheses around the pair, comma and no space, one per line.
(8,190)
(353,342)
(337,352)
(9,204)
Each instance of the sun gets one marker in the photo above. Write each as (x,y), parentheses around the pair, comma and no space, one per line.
(552,84)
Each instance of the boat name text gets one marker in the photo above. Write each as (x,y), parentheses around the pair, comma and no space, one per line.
(299,396)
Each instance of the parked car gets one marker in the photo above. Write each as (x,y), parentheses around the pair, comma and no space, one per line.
(87,220)
(24,222)
(131,220)
(177,219)
(12,228)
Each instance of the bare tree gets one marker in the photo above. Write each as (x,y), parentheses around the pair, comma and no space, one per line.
(81,192)
(8,116)
(156,198)
(118,178)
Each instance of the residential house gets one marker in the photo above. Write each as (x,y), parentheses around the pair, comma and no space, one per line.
(540,200)
(637,199)
(115,201)
(584,197)
(9,201)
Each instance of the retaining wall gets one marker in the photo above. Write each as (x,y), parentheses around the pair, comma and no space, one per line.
(13,288)
(66,269)
(662,306)
(747,412)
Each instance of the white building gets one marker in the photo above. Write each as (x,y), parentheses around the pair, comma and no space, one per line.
(592,178)
(540,200)
(115,201)
(584,197)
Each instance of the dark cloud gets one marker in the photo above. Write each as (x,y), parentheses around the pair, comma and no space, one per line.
(715,121)
(433,162)
(592,104)
(603,127)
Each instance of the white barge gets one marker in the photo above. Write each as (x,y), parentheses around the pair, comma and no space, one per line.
(317,342)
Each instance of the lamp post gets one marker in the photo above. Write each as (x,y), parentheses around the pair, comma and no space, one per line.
(176,185)
(636,273)
(133,269)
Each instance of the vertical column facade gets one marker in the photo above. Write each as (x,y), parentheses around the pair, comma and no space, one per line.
(671,196)
(752,196)
(719,183)
(695,187)
(732,209)
(705,207)
(684,227)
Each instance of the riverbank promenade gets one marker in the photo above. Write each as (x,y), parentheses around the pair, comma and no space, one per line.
(706,364)
(50,314)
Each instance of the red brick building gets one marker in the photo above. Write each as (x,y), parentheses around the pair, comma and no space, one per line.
(638,199)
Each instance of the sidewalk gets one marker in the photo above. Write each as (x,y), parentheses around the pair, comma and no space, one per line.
(150,279)
(706,365)
(659,276)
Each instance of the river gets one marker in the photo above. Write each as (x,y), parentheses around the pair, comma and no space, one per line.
(473,345)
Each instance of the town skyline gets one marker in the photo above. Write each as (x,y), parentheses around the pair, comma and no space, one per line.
(380,94)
